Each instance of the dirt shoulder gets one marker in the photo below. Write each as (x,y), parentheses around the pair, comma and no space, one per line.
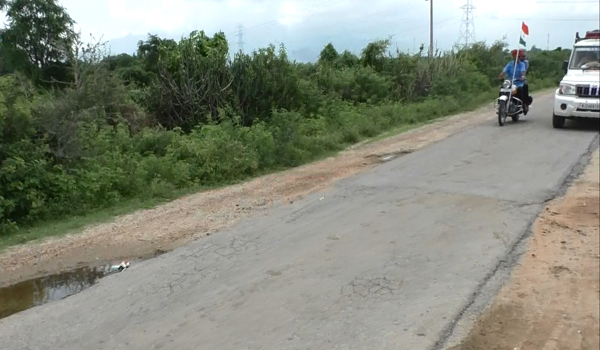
(149,232)
(552,298)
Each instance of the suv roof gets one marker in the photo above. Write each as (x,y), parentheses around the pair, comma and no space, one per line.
(591,37)
(588,42)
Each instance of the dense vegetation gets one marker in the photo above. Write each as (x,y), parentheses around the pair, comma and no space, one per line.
(81,130)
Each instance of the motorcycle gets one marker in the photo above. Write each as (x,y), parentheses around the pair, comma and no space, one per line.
(509,105)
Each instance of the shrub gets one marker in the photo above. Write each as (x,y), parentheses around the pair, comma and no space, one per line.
(181,114)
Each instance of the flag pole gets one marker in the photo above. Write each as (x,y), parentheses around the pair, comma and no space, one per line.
(514,70)
(515,67)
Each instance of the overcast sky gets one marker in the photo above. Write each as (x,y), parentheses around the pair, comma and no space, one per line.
(306,26)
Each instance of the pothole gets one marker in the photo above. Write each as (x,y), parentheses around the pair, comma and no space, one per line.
(38,291)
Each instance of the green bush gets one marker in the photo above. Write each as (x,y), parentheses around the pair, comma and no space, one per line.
(181,115)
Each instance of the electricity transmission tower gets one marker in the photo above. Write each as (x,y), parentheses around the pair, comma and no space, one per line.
(240,35)
(467,27)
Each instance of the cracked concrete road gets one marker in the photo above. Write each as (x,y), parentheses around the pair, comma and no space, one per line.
(388,259)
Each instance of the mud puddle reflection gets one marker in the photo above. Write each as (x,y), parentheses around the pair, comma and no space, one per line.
(38,291)
(27,294)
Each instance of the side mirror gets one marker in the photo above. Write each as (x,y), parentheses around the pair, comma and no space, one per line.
(565,66)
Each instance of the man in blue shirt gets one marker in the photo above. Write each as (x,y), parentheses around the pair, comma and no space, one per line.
(529,99)
(519,78)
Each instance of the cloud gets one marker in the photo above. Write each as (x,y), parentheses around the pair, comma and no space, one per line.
(139,16)
(289,13)
(305,26)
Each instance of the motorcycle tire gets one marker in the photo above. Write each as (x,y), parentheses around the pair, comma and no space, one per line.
(502,112)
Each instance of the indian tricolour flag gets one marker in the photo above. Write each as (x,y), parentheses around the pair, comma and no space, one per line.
(524,35)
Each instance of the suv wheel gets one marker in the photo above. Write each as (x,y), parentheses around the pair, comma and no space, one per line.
(558,122)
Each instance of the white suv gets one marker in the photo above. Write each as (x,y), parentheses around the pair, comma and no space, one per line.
(578,95)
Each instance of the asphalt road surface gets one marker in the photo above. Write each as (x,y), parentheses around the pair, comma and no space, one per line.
(388,259)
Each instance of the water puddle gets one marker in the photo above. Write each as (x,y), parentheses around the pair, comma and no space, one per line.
(38,291)
(27,294)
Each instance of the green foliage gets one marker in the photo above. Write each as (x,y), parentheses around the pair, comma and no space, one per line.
(329,55)
(37,39)
(264,80)
(181,115)
(374,54)
(191,82)
(547,65)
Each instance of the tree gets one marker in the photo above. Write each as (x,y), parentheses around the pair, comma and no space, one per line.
(5,64)
(192,78)
(374,54)
(328,55)
(148,51)
(348,59)
(38,38)
(129,68)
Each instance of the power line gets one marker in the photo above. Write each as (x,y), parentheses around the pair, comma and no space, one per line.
(545,19)
(383,17)
(467,28)
(567,2)
(405,31)
(556,19)
(306,11)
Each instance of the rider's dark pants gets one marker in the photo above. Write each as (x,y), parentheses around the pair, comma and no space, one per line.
(523,94)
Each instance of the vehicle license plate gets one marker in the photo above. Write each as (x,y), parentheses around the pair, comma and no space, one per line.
(590,106)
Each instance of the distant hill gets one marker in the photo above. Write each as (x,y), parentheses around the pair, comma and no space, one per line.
(128,44)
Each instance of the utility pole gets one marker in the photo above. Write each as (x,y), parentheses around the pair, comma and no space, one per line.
(240,36)
(548,43)
(430,28)
(467,30)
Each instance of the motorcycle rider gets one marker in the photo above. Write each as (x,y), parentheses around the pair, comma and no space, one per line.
(529,99)
(519,75)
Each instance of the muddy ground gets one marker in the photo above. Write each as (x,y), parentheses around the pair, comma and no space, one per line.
(150,232)
(552,299)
